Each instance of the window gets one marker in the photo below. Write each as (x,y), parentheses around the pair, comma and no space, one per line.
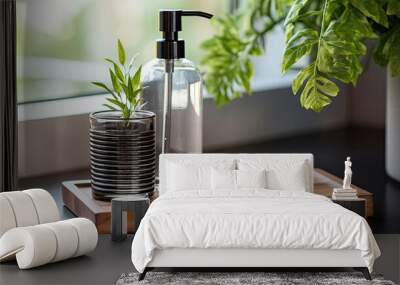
(61,44)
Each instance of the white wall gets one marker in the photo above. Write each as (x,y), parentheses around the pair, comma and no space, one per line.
(61,144)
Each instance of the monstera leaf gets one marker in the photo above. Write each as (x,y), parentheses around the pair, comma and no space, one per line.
(336,47)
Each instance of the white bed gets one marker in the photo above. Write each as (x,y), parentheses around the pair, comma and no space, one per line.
(202,226)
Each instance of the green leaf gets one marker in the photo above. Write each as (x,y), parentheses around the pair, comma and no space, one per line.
(115,83)
(373,10)
(381,56)
(298,46)
(119,74)
(102,85)
(340,47)
(116,102)
(134,100)
(301,76)
(130,90)
(136,78)
(351,17)
(289,32)
(337,52)
(327,86)
(121,53)
(296,10)
(393,8)
(317,93)
(110,60)
(332,6)
(110,107)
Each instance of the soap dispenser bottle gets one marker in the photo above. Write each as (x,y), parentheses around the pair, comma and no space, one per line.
(172,89)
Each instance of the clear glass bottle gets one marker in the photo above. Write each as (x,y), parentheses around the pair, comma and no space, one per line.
(172,89)
(185,126)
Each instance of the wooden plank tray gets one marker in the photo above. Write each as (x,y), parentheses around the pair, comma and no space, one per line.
(78,199)
(324,182)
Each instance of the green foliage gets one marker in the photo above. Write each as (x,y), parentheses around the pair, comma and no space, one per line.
(373,9)
(229,52)
(125,91)
(387,51)
(332,33)
(337,51)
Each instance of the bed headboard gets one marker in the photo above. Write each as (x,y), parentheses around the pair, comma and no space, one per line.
(170,157)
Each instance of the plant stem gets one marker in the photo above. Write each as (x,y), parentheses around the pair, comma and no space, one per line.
(322,31)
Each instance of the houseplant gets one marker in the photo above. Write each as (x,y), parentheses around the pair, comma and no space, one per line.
(122,138)
(333,33)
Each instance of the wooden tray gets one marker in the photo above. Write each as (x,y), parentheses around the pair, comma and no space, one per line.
(77,197)
(324,182)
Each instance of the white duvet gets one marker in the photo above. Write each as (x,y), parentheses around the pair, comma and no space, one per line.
(250,219)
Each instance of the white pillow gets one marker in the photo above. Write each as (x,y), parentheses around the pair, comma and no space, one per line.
(281,174)
(236,179)
(223,179)
(251,178)
(184,175)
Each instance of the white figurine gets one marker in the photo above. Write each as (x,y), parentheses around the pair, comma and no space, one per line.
(347,174)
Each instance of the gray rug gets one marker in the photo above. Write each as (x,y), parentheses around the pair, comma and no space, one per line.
(269,278)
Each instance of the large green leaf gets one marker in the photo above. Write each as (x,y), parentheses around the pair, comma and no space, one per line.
(105,87)
(117,87)
(117,70)
(298,46)
(121,53)
(301,76)
(296,10)
(317,93)
(136,78)
(337,53)
(372,9)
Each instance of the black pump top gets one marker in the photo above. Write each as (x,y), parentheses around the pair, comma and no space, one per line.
(171,47)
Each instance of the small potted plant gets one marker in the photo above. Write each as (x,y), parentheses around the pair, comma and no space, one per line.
(122,138)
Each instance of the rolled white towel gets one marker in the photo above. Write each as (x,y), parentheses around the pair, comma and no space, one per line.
(40,244)
(23,208)
(26,208)
(45,206)
(7,220)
